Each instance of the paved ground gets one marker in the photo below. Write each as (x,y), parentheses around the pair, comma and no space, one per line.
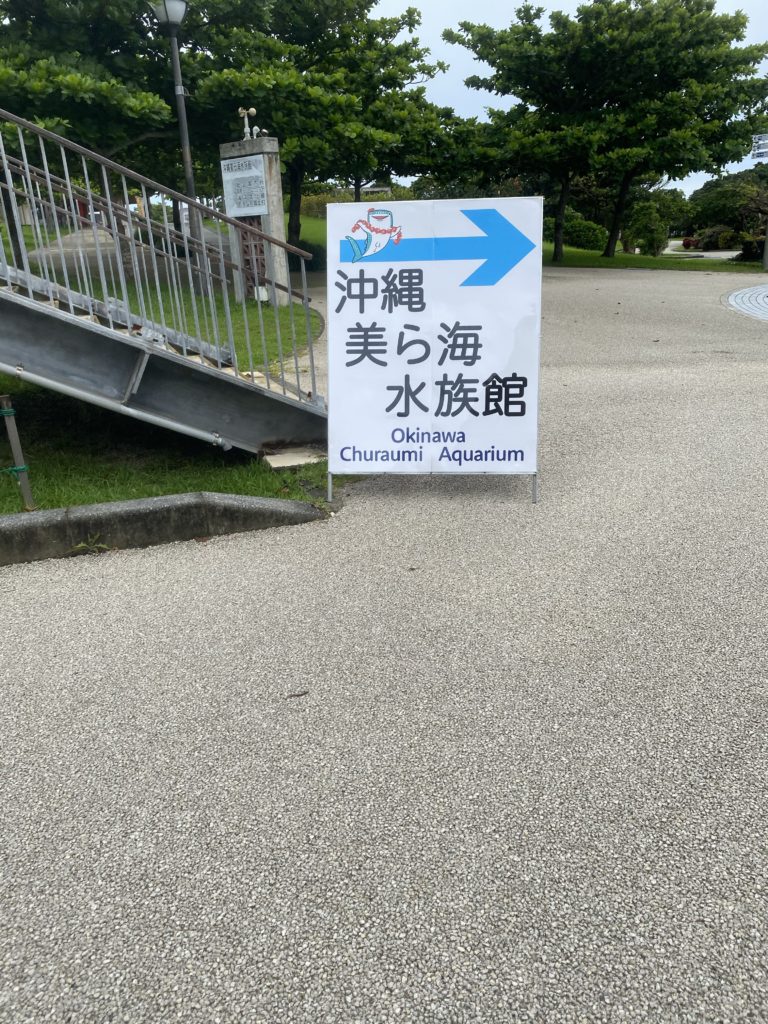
(527,780)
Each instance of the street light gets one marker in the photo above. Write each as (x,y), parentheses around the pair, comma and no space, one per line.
(170,14)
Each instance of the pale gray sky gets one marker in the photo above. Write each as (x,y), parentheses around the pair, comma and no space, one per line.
(449,89)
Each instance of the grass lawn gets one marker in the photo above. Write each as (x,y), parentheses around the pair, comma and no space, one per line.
(79,454)
(280,324)
(313,229)
(28,234)
(622,261)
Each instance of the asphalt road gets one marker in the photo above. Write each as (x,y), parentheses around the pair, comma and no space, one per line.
(527,781)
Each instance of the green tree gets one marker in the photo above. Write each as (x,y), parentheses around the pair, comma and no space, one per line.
(342,93)
(385,67)
(625,88)
(101,75)
(552,128)
(734,199)
(81,68)
(689,99)
(469,158)
(647,229)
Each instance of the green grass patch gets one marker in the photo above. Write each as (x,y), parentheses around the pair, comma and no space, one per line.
(313,230)
(30,242)
(79,454)
(260,331)
(624,261)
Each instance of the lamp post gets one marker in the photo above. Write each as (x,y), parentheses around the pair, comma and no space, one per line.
(170,14)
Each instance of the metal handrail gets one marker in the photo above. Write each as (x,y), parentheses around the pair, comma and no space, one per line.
(102,245)
(155,186)
(196,245)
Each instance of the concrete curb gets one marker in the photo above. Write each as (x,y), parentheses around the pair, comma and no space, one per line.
(89,529)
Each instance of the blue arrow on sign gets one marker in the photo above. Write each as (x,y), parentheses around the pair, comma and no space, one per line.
(500,247)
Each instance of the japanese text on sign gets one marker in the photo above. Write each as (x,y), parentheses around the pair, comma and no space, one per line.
(433,370)
(245,190)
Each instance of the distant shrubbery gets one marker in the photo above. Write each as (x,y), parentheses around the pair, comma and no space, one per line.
(314,206)
(752,248)
(319,257)
(718,237)
(712,239)
(646,229)
(578,232)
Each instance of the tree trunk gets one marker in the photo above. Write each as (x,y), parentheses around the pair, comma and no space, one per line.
(618,213)
(358,189)
(565,191)
(295,182)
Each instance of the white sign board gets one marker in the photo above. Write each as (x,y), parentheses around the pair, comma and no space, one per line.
(434,312)
(245,186)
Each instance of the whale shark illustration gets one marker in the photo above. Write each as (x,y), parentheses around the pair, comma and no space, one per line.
(371,235)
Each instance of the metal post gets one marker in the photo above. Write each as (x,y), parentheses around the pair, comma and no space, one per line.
(186,151)
(330,488)
(765,248)
(195,225)
(18,469)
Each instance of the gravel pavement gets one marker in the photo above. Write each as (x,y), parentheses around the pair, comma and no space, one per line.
(527,779)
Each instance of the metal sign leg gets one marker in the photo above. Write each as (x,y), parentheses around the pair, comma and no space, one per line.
(330,488)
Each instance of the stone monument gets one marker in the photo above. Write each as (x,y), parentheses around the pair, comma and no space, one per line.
(253,194)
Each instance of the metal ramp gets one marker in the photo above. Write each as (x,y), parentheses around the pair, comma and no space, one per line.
(120,292)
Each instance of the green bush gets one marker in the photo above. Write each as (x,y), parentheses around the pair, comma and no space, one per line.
(577,232)
(728,240)
(585,234)
(751,248)
(647,229)
(709,238)
(319,259)
(314,206)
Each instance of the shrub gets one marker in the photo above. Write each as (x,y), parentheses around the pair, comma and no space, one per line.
(709,238)
(690,243)
(649,230)
(728,240)
(751,249)
(314,206)
(577,232)
(584,234)
(319,257)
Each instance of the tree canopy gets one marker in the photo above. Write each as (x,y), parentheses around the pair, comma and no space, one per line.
(343,94)
(81,68)
(622,89)
(737,200)
(606,103)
